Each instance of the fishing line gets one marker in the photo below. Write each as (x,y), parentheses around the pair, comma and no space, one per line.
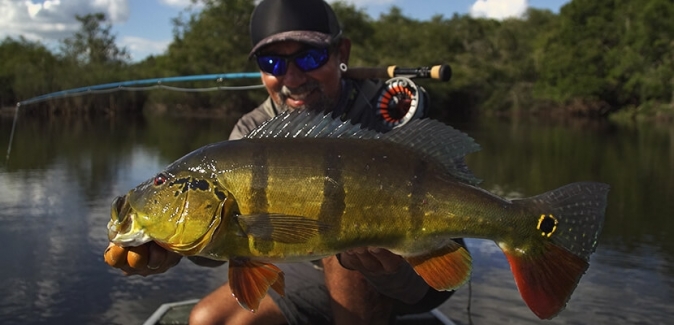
(11,135)
(470,298)
(410,95)
(133,86)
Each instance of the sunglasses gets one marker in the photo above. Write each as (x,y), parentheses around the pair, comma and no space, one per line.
(308,60)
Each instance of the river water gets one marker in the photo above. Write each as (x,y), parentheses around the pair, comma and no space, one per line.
(56,190)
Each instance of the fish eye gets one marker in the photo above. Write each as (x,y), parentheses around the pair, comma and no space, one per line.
(159,180)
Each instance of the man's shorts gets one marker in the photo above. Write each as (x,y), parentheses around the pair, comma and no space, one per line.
(307,300)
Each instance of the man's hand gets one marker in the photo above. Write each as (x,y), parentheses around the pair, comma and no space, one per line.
(371,261)
(143,260)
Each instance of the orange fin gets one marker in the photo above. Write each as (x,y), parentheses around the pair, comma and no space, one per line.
(546,279)
(444,269)
(250,280)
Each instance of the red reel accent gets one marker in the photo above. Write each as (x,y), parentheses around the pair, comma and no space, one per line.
(399,102)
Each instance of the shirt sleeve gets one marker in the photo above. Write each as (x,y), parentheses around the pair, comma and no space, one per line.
(252,120)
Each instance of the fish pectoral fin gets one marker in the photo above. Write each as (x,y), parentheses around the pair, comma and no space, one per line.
(443,269)
(250,280)
(281,227)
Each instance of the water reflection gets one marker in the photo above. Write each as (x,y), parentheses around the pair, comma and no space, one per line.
(56,190)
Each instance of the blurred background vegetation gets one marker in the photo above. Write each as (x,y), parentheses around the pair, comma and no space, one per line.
(596,58)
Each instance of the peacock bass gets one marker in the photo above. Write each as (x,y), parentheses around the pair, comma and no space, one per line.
(306,185)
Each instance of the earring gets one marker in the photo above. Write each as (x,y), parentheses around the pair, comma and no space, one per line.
(343,67)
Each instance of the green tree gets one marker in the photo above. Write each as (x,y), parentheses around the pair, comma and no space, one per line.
(212,40)
(93,43)
(27,69)
(358,27)
(609,54)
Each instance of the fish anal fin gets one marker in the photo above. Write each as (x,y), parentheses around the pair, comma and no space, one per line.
(446,268)
(280,285)
(546,279)
(250,280)
(281,227)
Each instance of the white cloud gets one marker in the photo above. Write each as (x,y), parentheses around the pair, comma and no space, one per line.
(363,3)
(140,48)
(176,3)
(499,9)
(51,20)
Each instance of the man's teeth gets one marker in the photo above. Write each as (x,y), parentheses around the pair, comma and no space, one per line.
(298,97)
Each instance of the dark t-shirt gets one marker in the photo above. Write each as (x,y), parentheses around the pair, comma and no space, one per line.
(357,103)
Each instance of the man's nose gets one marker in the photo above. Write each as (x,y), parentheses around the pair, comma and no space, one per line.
(294,77)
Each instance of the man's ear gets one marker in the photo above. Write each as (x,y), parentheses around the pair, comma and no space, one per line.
(344,50)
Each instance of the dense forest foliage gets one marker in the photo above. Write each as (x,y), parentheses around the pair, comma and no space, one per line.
(593,58)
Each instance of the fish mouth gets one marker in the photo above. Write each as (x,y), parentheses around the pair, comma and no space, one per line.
(123,229)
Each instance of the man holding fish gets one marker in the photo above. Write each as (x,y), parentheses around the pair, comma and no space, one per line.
(302,55)
(381,207)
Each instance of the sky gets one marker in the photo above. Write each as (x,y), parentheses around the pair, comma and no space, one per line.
(144,27)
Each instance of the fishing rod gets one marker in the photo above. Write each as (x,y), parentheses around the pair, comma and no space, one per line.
(442,72)
(400,100)
(128,85)
(439,72)
(133,86)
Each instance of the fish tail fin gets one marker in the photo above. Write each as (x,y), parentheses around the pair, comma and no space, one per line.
(567,223)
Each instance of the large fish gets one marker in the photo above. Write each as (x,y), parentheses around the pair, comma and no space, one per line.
(305,186)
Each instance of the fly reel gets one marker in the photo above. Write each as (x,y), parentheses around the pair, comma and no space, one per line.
(401,100)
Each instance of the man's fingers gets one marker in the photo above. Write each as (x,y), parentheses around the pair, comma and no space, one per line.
(137,257)
(115,256)
(145,259)
(157,256)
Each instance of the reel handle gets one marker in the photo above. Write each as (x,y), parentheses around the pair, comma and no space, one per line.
(442,72)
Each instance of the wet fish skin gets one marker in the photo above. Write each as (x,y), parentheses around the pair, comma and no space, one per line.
(268,199)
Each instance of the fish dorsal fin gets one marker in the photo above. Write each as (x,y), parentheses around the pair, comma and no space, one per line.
(310,124)
(440,142)
(432,139)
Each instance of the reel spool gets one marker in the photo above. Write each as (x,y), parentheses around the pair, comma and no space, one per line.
(401,101)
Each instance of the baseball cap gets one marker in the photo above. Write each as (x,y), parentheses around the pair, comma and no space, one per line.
(311,22)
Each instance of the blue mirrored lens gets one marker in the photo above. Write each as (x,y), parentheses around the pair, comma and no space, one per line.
(312,60)
(308,60)
(274,65)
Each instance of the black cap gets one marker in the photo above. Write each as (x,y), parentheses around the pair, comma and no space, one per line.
(307,21)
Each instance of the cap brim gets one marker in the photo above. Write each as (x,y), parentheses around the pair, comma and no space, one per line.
(312,38)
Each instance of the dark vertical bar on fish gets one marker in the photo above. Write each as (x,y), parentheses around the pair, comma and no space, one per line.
(260,180)
(333,205)
(417,196)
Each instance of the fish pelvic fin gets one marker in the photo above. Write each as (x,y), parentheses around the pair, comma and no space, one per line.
(443,269)
(250,280)
(568,222)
